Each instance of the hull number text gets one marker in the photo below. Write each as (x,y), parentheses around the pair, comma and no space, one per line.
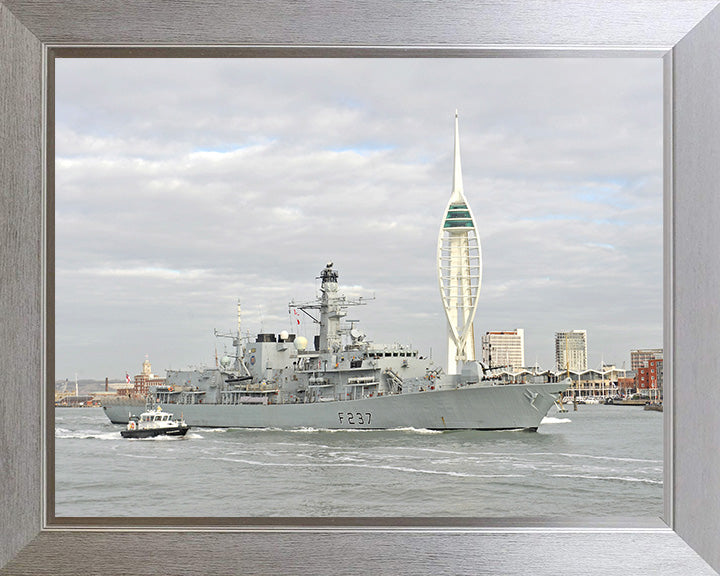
(355,418)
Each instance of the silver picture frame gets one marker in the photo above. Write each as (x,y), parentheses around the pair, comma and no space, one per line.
(684,33)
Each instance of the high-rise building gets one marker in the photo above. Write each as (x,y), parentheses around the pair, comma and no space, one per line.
(459,262)
(640,358)
(571,350)
(504,348)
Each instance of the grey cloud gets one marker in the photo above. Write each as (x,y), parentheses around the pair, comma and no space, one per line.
(185,185)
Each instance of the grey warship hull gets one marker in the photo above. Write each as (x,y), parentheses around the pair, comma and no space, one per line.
(345,381)
(494,407)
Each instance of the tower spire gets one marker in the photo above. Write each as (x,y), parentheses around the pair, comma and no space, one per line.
(457,191)
(459,261)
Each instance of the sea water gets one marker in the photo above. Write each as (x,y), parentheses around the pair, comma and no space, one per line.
(598,461)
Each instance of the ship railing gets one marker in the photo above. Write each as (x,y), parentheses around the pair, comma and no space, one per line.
(362,384)
(238,399)
(362,379)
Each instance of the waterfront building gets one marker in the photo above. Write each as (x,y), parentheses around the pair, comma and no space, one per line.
(571,350)
(459,264)
(504,348)
(72,401)
(626,385)
(656,375)
(594,383)
(640,358)
(650,377)
(523,375)
(142,381)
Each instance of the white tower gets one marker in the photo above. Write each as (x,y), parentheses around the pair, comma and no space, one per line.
(459,269)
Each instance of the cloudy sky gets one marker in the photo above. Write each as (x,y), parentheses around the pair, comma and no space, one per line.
(183,186)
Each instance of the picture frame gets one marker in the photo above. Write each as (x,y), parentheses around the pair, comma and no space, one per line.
(684,33)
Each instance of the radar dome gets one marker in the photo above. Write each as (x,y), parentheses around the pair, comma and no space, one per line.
(225,361)
(301,342)
(284,335)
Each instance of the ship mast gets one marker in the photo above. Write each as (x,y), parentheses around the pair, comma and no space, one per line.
(239,351)
(332,306)
(238,365)
(331,311)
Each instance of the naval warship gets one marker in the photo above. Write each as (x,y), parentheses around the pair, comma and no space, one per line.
(343,381)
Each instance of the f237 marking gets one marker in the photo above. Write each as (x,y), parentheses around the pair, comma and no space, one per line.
(355,418)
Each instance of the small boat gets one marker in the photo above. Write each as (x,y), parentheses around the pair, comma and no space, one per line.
(154,423)
(656,406)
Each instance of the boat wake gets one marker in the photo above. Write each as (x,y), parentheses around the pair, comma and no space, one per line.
(417,430)
(553,420)
(65,434)
(311,430)
(611,478)
(598,457)
(348,463)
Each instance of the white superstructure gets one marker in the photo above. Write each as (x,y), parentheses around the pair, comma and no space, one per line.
(459,261)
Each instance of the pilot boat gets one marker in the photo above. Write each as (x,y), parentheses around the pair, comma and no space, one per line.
(154,423)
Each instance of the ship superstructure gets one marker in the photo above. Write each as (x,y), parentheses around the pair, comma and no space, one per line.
(341,365)
(459,264)
(343,381)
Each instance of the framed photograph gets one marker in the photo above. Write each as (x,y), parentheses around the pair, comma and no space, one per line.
(35,540)
(245,189)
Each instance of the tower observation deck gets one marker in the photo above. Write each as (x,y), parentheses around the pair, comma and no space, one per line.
(459,261)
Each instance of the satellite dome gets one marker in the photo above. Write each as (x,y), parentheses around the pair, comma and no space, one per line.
(284,335)
(301,342)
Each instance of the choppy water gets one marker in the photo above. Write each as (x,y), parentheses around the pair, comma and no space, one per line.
(598,461)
